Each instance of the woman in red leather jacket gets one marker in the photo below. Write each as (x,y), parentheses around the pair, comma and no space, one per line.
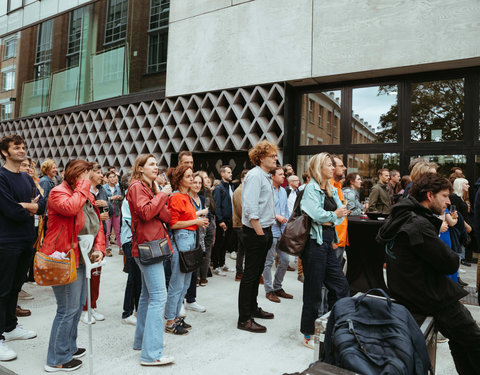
(148,208)
(71,212)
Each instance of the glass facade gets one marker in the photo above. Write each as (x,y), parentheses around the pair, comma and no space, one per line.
(437,111)
(374,114)
(320,118)
(100,51)
(385,124)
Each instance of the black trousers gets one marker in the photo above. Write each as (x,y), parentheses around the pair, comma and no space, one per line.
(223,239)
(14,261)
(240,250)
(457,324)
(256,249)
(134,283)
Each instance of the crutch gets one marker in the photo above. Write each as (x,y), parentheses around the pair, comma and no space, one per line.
(85,243)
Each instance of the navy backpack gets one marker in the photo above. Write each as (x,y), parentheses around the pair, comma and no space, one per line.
(370,335)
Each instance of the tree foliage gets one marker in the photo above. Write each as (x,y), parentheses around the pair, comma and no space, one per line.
(436,105)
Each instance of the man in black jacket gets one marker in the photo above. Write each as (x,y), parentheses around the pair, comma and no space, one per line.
(417,265)
(222,196)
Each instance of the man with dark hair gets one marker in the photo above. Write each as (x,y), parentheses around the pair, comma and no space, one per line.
(379,199)
(418,262)
(19,201)
(392,185)
(222,195)
(185,158)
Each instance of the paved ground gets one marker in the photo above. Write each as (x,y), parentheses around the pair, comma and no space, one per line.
(213,346)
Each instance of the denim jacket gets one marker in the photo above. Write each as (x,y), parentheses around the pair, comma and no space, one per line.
(312,204)
(115,204)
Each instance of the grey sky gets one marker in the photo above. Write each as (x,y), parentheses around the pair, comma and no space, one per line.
(369,106)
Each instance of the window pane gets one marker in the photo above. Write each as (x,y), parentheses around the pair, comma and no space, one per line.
(14,4)
(75,37)
(320,118)
(374,114)
(8,80)
(44,49)
(159,12)
(116,26)
(437,111)
(445,162)
(10,48)
(7,111)
(367,165)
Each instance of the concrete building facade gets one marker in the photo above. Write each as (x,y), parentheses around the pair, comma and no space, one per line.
(216,76)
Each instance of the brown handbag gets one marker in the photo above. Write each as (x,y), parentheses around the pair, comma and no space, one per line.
(296,232)
(50,271)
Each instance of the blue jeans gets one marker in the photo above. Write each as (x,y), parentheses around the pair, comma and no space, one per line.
(63,337)
(283,260)
(320,266)
(179,281)
(149,330)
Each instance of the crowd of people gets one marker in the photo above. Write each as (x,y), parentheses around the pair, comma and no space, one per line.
(245,218)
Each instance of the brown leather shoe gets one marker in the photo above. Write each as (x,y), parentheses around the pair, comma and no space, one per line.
(108,253)
(272,297)
(263,314)
(251,326)
(22,312)
(283,294)
(290,268)
(238,277)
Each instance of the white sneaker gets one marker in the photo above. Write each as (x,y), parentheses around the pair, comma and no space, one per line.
(85,318)
(233,255)
(6,354)
(24,295)
(228,269)
(98,317)
(218,272)
(163,360)
(194,306)
(19,333)
(132,320)
(182,313)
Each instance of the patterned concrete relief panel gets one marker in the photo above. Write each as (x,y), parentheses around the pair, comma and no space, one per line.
(228,120)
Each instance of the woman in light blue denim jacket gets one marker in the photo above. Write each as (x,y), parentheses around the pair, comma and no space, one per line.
(353,182)
(320,264)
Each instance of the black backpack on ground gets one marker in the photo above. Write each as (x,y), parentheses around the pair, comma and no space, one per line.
(370,336)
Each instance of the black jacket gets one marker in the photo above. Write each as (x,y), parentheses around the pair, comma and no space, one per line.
(223,202)
(417,260)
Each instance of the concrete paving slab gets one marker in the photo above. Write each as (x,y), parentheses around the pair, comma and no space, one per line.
(213,346)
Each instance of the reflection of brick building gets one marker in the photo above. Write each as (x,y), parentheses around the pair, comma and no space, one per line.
(321,126)
(8,69)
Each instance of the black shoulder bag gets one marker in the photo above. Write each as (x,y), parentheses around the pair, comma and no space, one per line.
(192,259)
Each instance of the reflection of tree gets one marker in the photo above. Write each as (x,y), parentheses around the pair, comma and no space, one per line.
(436,105)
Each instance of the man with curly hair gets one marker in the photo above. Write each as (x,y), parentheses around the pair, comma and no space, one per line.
(258,216)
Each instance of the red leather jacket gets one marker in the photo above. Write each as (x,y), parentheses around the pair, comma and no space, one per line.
(65,205)
(149,213)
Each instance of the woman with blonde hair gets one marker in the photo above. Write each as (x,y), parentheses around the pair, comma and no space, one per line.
(421,168)
(49,171)
(149,214)
(320,264)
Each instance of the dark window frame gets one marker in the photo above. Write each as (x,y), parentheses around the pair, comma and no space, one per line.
(405,146)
